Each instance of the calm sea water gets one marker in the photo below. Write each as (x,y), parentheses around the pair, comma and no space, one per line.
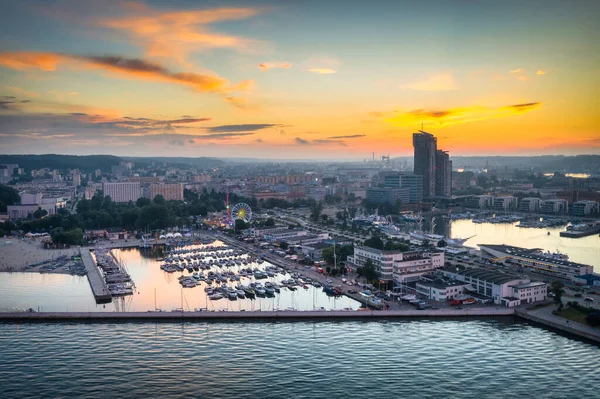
(412,359)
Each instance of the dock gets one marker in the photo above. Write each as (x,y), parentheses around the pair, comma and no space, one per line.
(580,233)
(97,283)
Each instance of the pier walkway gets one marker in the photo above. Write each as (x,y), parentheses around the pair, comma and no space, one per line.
(97,283)
(258,315)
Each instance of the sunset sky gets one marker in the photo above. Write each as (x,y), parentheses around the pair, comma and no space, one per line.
(302,79)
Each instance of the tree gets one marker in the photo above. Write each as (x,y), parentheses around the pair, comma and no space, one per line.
(143,201)
(442,244)
(368,271)
(374,242)
(556,287)
(8,196)
(240,225)
(270,222)
(284,245)
(159,200)
(40,213)
(593,319)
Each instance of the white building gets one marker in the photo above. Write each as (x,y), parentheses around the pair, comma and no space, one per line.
(532,204)
(414,264)
(396,265)
(441,290)
(585,208)
(122,192)
(31,203)
(555,206)
(505,203)
(496,285)
(530,292)
(480,201)
(279,233)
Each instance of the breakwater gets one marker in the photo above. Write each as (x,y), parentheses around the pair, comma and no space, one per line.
(257,315)
(95,278)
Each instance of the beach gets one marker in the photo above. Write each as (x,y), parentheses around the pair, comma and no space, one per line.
(29,255)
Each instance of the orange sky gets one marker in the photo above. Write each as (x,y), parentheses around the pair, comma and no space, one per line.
(305,80)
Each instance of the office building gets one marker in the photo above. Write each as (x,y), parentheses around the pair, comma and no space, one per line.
(384,195)
(170,192)
(395,265)
(443,174)
(425,145)
(480,201)
(532,204)
(585,208)
(505,203)
(122,192)
(413,182)
(555,206)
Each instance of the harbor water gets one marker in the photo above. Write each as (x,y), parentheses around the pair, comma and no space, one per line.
(154,289)
(394,359)
(584,250)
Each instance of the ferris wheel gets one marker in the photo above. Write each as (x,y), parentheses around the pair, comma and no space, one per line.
(241,211)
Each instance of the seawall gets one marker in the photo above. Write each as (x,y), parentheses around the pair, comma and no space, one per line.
(564,327)
(264,315)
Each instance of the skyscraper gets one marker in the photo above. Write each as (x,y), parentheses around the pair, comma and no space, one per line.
(425,145)
(443,174)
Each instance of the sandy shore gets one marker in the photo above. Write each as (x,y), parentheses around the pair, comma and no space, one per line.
(17,255)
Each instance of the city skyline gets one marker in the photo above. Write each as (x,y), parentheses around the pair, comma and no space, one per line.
(301,81)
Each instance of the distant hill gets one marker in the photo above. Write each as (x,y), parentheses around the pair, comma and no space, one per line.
(54,161)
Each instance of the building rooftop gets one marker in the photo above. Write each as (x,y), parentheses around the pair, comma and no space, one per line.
(531,254)
(442,283)
(529,285)
(485,275)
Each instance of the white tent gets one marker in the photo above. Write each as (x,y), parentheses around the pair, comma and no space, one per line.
(177,235)
(162,236)
(169,235)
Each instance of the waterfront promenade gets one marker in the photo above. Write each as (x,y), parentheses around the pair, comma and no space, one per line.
(544,316)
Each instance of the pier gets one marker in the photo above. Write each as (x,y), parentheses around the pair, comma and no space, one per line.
(97,283)
(256,315)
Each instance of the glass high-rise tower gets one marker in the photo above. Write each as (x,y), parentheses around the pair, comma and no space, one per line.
(425,145)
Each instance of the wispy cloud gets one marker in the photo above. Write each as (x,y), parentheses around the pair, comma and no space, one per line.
(304,142)
(11,103)
(518,70)
(439,82)
(62,94)
(173,34)
(524,107)
(241,128)
(352,136)
(540,72)
(132,68)
(322,71)
(22,92)
(273,65)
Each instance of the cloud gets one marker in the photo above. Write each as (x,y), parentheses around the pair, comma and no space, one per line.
(524,107)
(518,70)
(454,116)
(175,34)
(132,68)
(352,136)
(62,94)
(541,72)
(11,103)
(241,128)
(259,141)
(303,142)
(272,65)
(322,71)
(22,92)
(439,82)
